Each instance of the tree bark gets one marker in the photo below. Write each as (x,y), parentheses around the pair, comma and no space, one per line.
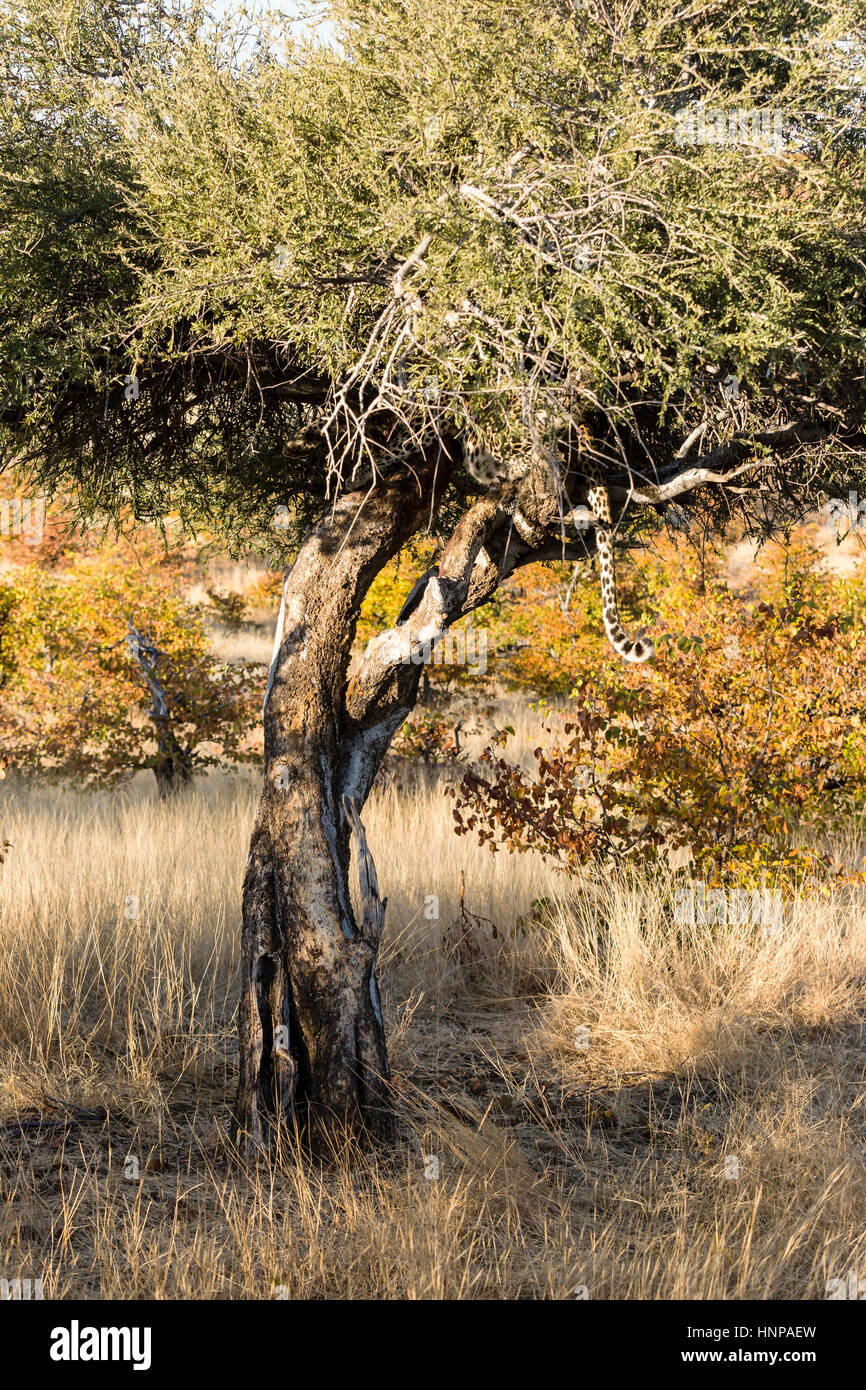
(313,1055)
(171,766)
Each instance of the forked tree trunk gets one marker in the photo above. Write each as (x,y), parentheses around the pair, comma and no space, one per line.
(312,1040)
(172,765)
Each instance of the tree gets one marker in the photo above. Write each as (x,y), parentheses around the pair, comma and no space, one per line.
(105,670)
(430,277)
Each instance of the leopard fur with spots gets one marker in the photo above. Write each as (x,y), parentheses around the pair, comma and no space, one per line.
(638,648)
(488,470)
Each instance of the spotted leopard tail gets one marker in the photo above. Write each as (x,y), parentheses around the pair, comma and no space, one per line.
(639,648)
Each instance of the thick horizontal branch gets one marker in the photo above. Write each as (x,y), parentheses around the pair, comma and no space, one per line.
(477,559)
(723,464)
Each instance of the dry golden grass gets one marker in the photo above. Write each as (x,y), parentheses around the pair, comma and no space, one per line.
(248,644)
(561,1167)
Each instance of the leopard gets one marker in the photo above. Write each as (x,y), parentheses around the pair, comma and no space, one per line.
(638,648)
(488,470)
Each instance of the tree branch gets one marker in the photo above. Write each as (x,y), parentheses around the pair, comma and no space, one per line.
(724,463)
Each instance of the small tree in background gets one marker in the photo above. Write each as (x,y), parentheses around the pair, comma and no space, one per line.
(105,670)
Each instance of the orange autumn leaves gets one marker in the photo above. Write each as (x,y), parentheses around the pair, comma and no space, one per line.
(742,742)
(74,701)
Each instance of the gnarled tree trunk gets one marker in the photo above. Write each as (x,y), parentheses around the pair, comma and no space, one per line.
(312,1039)
(313,1054)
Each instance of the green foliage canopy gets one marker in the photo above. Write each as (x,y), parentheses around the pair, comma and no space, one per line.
(237,265)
